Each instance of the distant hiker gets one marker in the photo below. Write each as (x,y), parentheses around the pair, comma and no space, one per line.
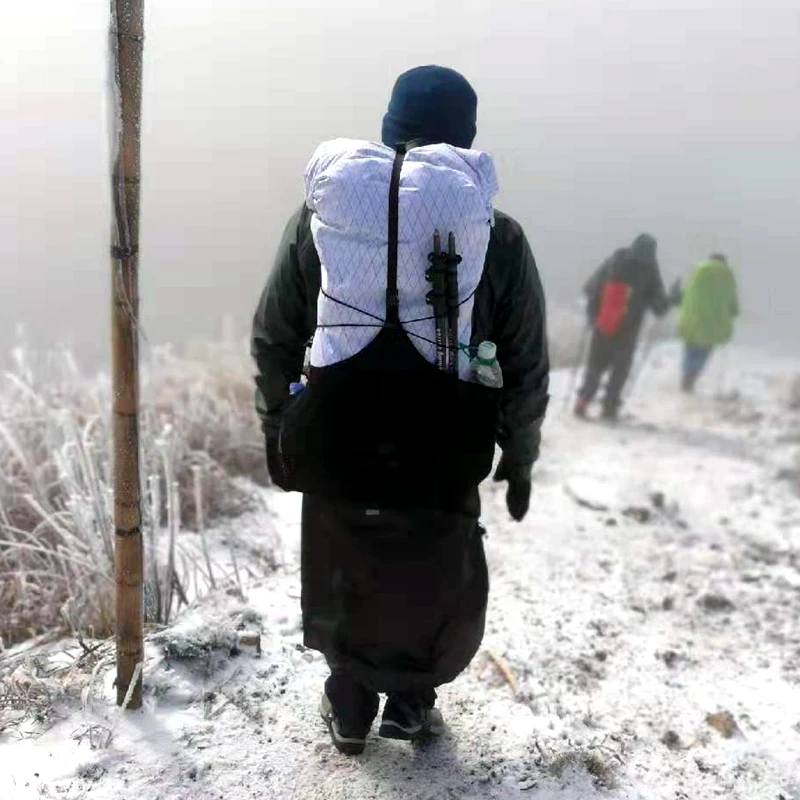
(618,295)
(399,418)
(710,304)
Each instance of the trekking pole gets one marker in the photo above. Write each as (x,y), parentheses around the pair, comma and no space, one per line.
(723,372)
(451,289)
(576,368)
(436,298)
(642,361)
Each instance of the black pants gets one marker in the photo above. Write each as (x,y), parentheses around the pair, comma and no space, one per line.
(608,354)
(356,705)
(397,600)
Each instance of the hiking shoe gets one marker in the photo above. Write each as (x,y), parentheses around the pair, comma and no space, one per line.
(610,415)
(349,740)
(410,720)
(580,408)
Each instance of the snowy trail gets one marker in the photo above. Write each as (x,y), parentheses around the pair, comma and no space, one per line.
(656,581)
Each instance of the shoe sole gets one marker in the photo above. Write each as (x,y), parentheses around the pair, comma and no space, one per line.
(348,746)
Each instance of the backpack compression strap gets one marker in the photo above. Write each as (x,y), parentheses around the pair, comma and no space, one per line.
(392,296)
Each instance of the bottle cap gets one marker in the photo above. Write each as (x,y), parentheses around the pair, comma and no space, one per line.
(487,352)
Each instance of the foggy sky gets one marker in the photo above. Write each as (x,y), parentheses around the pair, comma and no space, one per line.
(605,117)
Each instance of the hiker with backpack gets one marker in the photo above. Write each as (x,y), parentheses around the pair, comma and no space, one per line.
(618,295)
(427,321)
(709,306)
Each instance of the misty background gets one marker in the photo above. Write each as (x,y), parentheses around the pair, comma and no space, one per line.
(606,118)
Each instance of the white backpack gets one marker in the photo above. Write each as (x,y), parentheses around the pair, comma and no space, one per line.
(441,188)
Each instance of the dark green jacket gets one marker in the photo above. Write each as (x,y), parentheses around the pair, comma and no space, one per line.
(509,310)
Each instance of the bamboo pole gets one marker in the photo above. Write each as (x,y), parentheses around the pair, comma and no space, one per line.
(126,37)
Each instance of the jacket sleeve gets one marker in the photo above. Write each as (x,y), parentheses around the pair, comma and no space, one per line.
(521,338)
(656,299)
(592,290)
(281,328)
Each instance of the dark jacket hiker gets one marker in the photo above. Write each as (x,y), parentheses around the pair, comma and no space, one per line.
(618,296)
(393,572)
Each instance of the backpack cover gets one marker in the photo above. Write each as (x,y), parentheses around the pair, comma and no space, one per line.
(614,300)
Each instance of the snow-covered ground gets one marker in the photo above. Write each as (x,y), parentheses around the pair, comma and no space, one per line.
(655,582)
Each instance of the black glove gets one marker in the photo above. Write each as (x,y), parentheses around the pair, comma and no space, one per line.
(676,293)
(518,494)
(275,463)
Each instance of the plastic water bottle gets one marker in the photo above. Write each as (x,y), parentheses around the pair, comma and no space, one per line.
(485,369)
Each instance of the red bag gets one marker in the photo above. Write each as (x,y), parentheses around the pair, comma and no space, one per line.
(613,307)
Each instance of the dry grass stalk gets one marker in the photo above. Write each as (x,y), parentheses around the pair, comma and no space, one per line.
(505,670)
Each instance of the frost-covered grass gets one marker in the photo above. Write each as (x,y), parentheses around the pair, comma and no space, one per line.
(199,434)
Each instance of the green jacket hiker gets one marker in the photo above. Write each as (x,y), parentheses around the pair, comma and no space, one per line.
(710,303)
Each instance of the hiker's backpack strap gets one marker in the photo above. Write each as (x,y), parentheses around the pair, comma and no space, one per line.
(392,296)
